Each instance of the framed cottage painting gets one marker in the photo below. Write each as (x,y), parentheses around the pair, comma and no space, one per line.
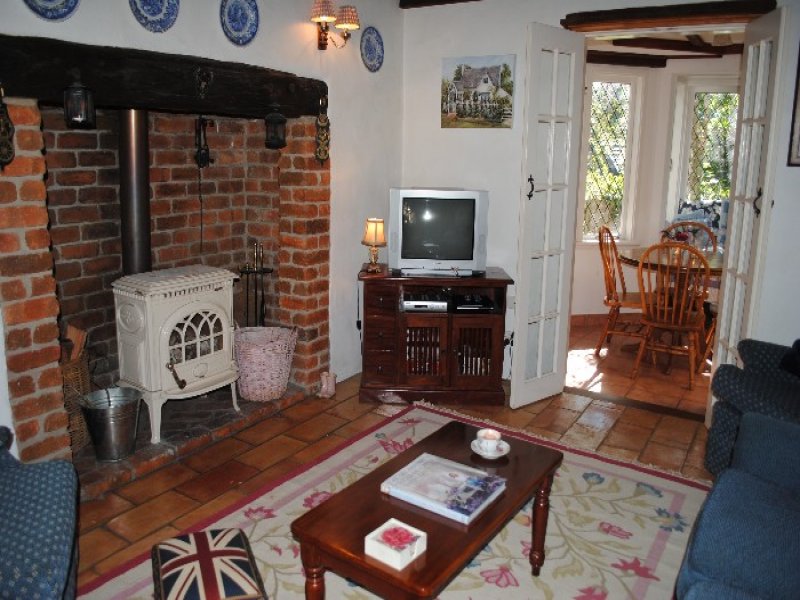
(478,91)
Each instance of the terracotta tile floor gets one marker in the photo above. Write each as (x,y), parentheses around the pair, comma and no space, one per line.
(658,423)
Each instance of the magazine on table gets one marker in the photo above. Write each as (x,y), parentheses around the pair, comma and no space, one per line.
(445,487)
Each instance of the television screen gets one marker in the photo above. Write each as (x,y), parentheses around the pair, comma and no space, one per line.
(438,229)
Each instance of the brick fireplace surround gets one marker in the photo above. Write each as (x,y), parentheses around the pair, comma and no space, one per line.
(60,242)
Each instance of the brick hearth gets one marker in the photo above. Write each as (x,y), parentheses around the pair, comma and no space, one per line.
(278,198)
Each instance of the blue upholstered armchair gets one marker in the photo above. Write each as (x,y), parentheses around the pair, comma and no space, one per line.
(768,383)
(38,504)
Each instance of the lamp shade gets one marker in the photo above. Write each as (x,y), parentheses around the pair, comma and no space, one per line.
(347,18)
(322,12)
(373,233)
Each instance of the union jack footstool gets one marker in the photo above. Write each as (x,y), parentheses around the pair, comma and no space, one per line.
(206,565)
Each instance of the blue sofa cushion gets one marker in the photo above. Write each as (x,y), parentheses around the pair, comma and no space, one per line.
(746,537)
(37,528)
(715,590)
(769,449)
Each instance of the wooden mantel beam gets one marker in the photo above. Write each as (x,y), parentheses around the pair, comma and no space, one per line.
(119,78)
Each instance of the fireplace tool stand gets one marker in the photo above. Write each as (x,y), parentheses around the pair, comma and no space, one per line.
(253,275)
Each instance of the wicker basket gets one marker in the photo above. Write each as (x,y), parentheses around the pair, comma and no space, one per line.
(76,383)
(264,356)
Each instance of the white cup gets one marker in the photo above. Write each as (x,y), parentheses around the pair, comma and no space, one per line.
(488,440)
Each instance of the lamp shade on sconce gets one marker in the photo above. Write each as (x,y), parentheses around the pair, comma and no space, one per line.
(322,12)
(347,19)
(373,233)
(79,106)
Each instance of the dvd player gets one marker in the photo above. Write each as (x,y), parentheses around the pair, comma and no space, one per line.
(425,302)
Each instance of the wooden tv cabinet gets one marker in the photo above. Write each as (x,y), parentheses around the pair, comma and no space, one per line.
(451,353)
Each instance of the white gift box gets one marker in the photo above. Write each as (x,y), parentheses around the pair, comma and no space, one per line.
(395,543)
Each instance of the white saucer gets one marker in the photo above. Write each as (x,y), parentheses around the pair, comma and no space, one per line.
(502,450)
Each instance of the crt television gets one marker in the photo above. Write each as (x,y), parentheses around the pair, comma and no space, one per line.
(438,231)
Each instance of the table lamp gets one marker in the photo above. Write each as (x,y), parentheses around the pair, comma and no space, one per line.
(374,238)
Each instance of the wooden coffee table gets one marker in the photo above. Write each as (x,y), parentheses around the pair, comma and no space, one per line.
(332,535)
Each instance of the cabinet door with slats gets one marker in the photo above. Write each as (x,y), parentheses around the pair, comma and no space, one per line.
(426,349)
(477,352)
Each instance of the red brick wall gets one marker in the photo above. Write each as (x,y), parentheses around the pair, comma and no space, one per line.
(304,255)
(83,208)
(278,198)
(28,294)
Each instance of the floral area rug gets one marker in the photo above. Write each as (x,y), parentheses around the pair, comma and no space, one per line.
(615,530)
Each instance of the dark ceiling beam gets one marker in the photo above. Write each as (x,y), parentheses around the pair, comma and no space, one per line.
(625,59)
(678,46)
(421,3)
(676,15)
(636,59)
(41,68)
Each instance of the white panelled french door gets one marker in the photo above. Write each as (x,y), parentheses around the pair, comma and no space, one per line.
(749,203)
(548,211)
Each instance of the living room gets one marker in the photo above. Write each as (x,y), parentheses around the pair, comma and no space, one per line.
(385,124)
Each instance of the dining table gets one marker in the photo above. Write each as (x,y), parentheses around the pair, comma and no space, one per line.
(631,255)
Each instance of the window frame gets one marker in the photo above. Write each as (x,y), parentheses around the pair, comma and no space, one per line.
(685,89)
(634,78)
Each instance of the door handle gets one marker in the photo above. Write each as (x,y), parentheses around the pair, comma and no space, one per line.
(530,192)
(756,208)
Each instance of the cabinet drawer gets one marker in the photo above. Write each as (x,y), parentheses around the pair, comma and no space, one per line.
(379,367)
(380,333)
(381,299)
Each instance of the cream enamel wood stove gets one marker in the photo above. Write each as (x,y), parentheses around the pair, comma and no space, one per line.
(175,335)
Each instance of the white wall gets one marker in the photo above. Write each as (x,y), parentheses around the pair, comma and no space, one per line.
(365,107)
(777,316)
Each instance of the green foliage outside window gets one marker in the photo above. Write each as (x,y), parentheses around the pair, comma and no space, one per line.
(712,145)
(605,165)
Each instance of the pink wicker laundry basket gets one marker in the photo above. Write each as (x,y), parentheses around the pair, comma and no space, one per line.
(264,356)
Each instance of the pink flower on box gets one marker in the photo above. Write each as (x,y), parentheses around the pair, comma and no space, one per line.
(398,538)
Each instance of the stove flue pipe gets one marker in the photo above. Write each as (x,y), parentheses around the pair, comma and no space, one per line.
(134,191)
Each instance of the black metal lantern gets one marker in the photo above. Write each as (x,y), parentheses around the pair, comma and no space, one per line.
(276,128)
(79,106)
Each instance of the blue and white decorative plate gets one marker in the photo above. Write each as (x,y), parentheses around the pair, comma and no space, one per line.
(53,10)
(372,49)
(155,15)
(239,20)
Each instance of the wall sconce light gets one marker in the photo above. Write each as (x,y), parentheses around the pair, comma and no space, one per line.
(374,238)
(346,20)
(276,128)
(79,105)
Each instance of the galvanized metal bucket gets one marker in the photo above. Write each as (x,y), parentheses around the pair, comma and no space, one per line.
(112,417)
